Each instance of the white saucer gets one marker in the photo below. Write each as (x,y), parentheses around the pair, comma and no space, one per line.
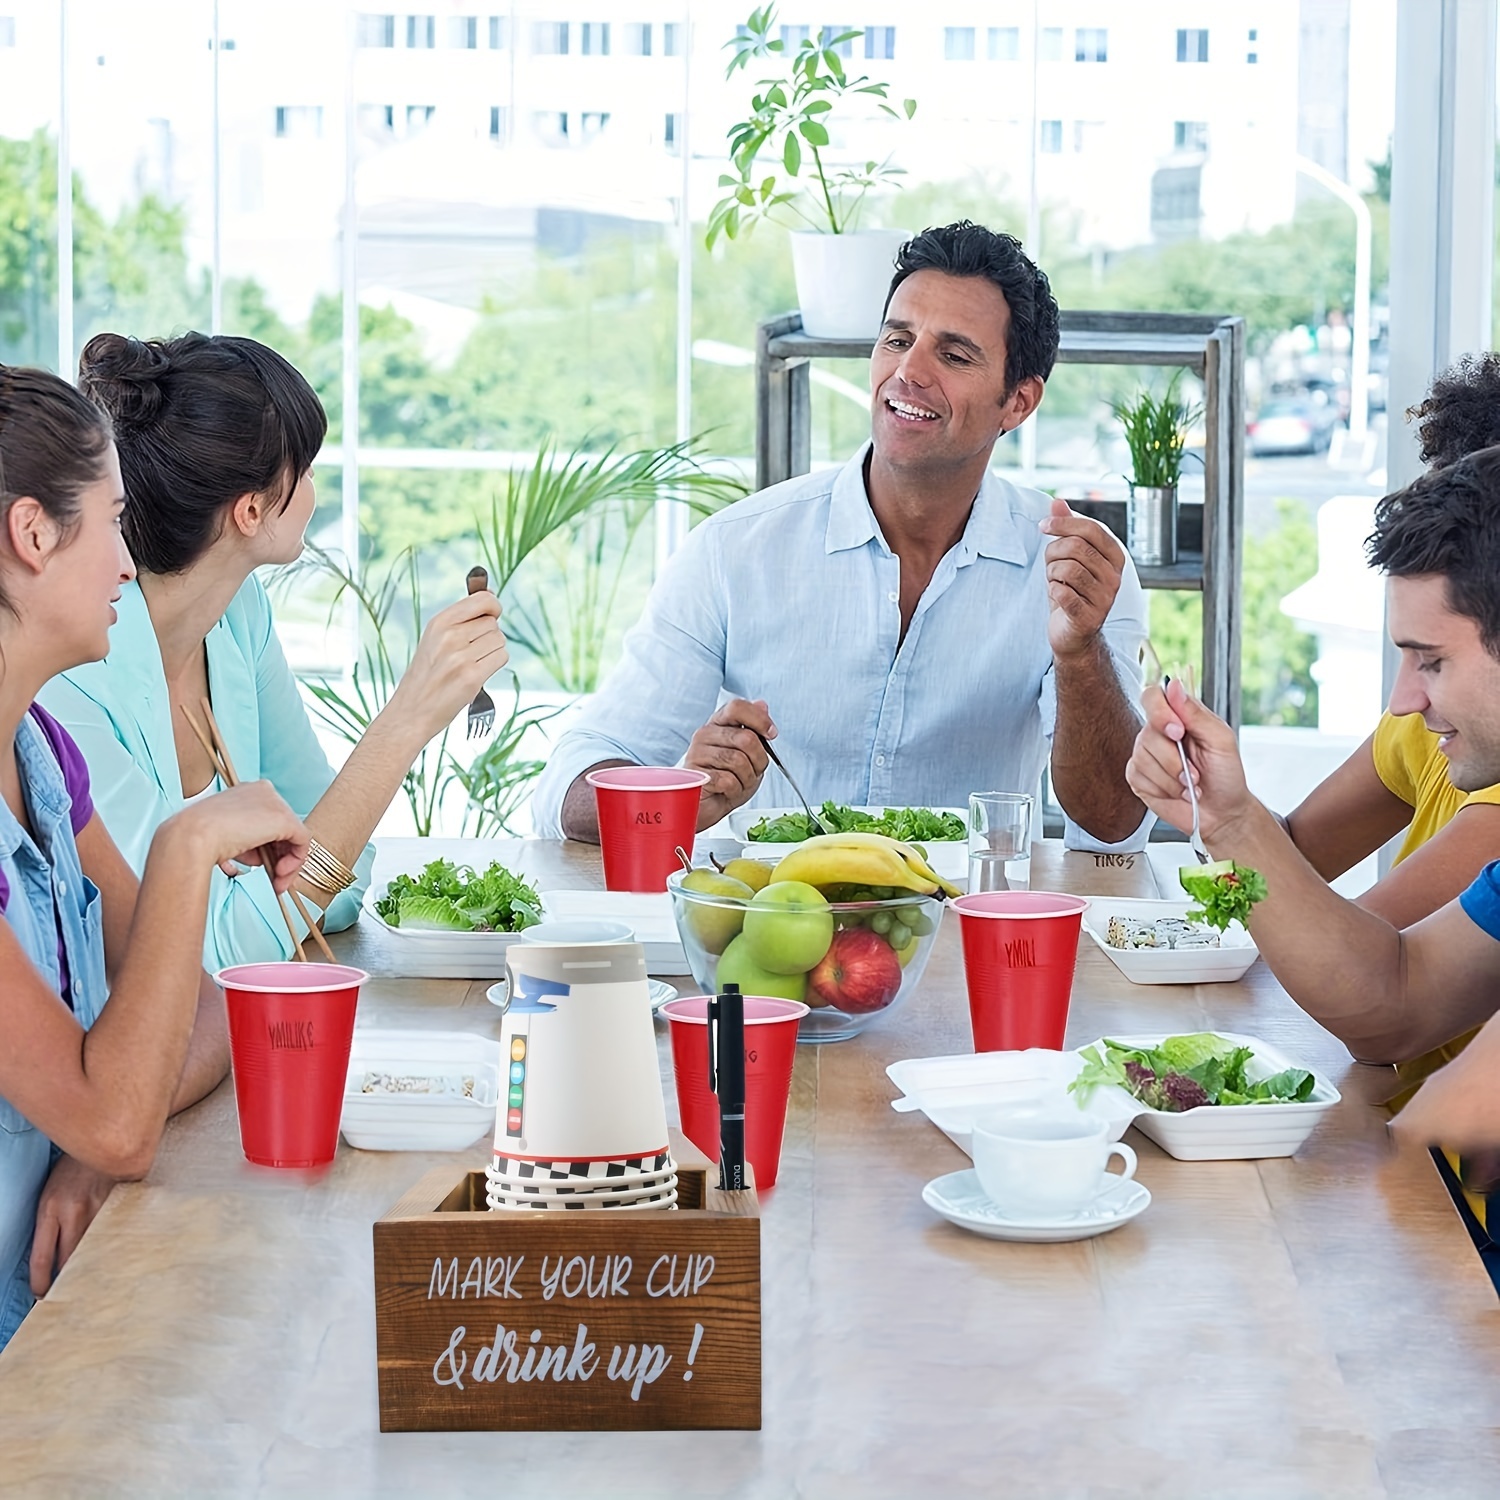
(959,1199)
(661,992)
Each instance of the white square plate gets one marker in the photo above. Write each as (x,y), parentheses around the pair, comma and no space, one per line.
(420,1122)
(647,913)
(1230,960)
(1230,1132)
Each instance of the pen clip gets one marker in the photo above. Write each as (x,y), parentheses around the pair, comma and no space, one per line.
(713,1044)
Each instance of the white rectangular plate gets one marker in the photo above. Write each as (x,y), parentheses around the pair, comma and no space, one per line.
(647,913)
(420,1122)
(1230,960)
(1231,1132)
(421,954)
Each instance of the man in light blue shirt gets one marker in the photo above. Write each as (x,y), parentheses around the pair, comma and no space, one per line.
(906,618)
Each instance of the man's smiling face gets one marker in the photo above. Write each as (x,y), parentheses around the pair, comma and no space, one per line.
(938,374)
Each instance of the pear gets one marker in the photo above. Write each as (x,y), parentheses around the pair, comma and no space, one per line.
(715,927)
(756,873)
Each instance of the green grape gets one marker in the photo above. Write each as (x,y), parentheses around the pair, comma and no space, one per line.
(919,922)
(881,922)
(899,935)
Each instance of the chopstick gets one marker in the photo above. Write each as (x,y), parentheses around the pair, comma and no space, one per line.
(218,754)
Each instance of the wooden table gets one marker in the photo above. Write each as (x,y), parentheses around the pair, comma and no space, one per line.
(1318,1326)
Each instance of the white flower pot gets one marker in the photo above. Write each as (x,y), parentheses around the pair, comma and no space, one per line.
(842,280)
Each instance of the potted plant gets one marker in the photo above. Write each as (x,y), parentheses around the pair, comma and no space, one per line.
(842,272)
(1156,431)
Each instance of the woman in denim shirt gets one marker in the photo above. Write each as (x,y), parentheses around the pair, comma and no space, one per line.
(217,437)
(78,1076)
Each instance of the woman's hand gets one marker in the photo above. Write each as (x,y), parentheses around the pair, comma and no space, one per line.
(460,650)
(249,824)
(72,1196)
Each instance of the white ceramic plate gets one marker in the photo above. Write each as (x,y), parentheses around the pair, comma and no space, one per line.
(661,992)
(422,954)
(954,1091)
(1229,961)
(961,1201)
(1231,1132)
(948,857)
(420,1122)
(647,913)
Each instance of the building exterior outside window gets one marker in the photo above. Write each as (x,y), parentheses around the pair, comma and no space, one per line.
(1050,44)
(372,31)
(1190,135)
(958,43)
(594,38)
(421,31)
(880,42)
(463,32)
(550,38)
(1004,44)
(497,33)
(299,122)
(1091,44)
(1192,46)
(1049,137)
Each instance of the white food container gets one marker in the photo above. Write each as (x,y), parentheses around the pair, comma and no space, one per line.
(415,1121)
(1230,960)
(418,953)
(955,1091)
(948,857)
(1230,1132)
(648,914)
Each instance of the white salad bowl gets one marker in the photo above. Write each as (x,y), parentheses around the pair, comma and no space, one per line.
(1228,1132)
(1230,960)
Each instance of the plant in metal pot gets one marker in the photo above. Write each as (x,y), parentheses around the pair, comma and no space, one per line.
(1156,432)
(791,112)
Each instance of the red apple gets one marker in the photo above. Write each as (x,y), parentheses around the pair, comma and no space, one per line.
(859,973)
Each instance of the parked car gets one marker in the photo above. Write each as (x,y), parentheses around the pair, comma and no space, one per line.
(1292,425)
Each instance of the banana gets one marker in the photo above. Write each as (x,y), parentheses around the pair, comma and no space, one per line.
(861,859)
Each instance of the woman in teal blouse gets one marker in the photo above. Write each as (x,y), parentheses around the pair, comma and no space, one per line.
(216,439)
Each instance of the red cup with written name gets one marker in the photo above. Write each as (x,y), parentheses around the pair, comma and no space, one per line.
(770,1051)
(645,814)
(1019,952)
(290,1025)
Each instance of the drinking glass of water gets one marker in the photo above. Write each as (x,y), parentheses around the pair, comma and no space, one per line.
(999,841)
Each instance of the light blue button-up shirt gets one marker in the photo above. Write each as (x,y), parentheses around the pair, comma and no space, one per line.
(120,713)
(793,595)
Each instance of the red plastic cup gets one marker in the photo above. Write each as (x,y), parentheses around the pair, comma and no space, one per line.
(290,1025)
(645,814)
(770,1050)
(1019,952)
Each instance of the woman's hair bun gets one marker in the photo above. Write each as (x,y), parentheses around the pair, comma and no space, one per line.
(123,375)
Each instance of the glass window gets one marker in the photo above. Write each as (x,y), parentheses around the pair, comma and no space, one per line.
(1091,44)
(299,122)
(1004,43)
(499,123)
(958,43)
(550,38)
(593,122)
(463,32)
(551,126)
(421,31)
(1050,44)
(826,35)
(594,39)
(1176,202)
(638,39)
(671,39)
(7,31)
(1087,134)
(375,31)
(672,131)
(792,37)
(497,33)
(1050,136)
(880,42)
(1192,46)
(376,120)
(1190,135)
(417,116)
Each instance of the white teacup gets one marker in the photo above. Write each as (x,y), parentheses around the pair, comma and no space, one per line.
(1044,1163)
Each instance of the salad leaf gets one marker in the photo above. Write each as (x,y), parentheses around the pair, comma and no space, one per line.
(1224,892)
(908,824)
(1186,1072)
(453,898)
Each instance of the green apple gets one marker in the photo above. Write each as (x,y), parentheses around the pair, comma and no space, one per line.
(788,927)
(738,966)
(715,926)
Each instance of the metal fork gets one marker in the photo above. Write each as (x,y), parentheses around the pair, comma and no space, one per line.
(814,826)
(482,709)
(1154,676)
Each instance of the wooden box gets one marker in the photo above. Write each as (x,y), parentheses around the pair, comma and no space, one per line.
(568,1321)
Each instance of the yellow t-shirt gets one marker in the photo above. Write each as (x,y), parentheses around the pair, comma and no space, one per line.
(1408,761)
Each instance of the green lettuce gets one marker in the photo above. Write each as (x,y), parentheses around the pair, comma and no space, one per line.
(452,898)
(910,824)
(1187,1072)
(1224,892)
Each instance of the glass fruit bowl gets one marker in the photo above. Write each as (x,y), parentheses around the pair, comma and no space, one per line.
(835,955)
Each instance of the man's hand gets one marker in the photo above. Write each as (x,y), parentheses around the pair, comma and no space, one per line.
(735,760)
(1155,771)
(73,1194)
(1085,563)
